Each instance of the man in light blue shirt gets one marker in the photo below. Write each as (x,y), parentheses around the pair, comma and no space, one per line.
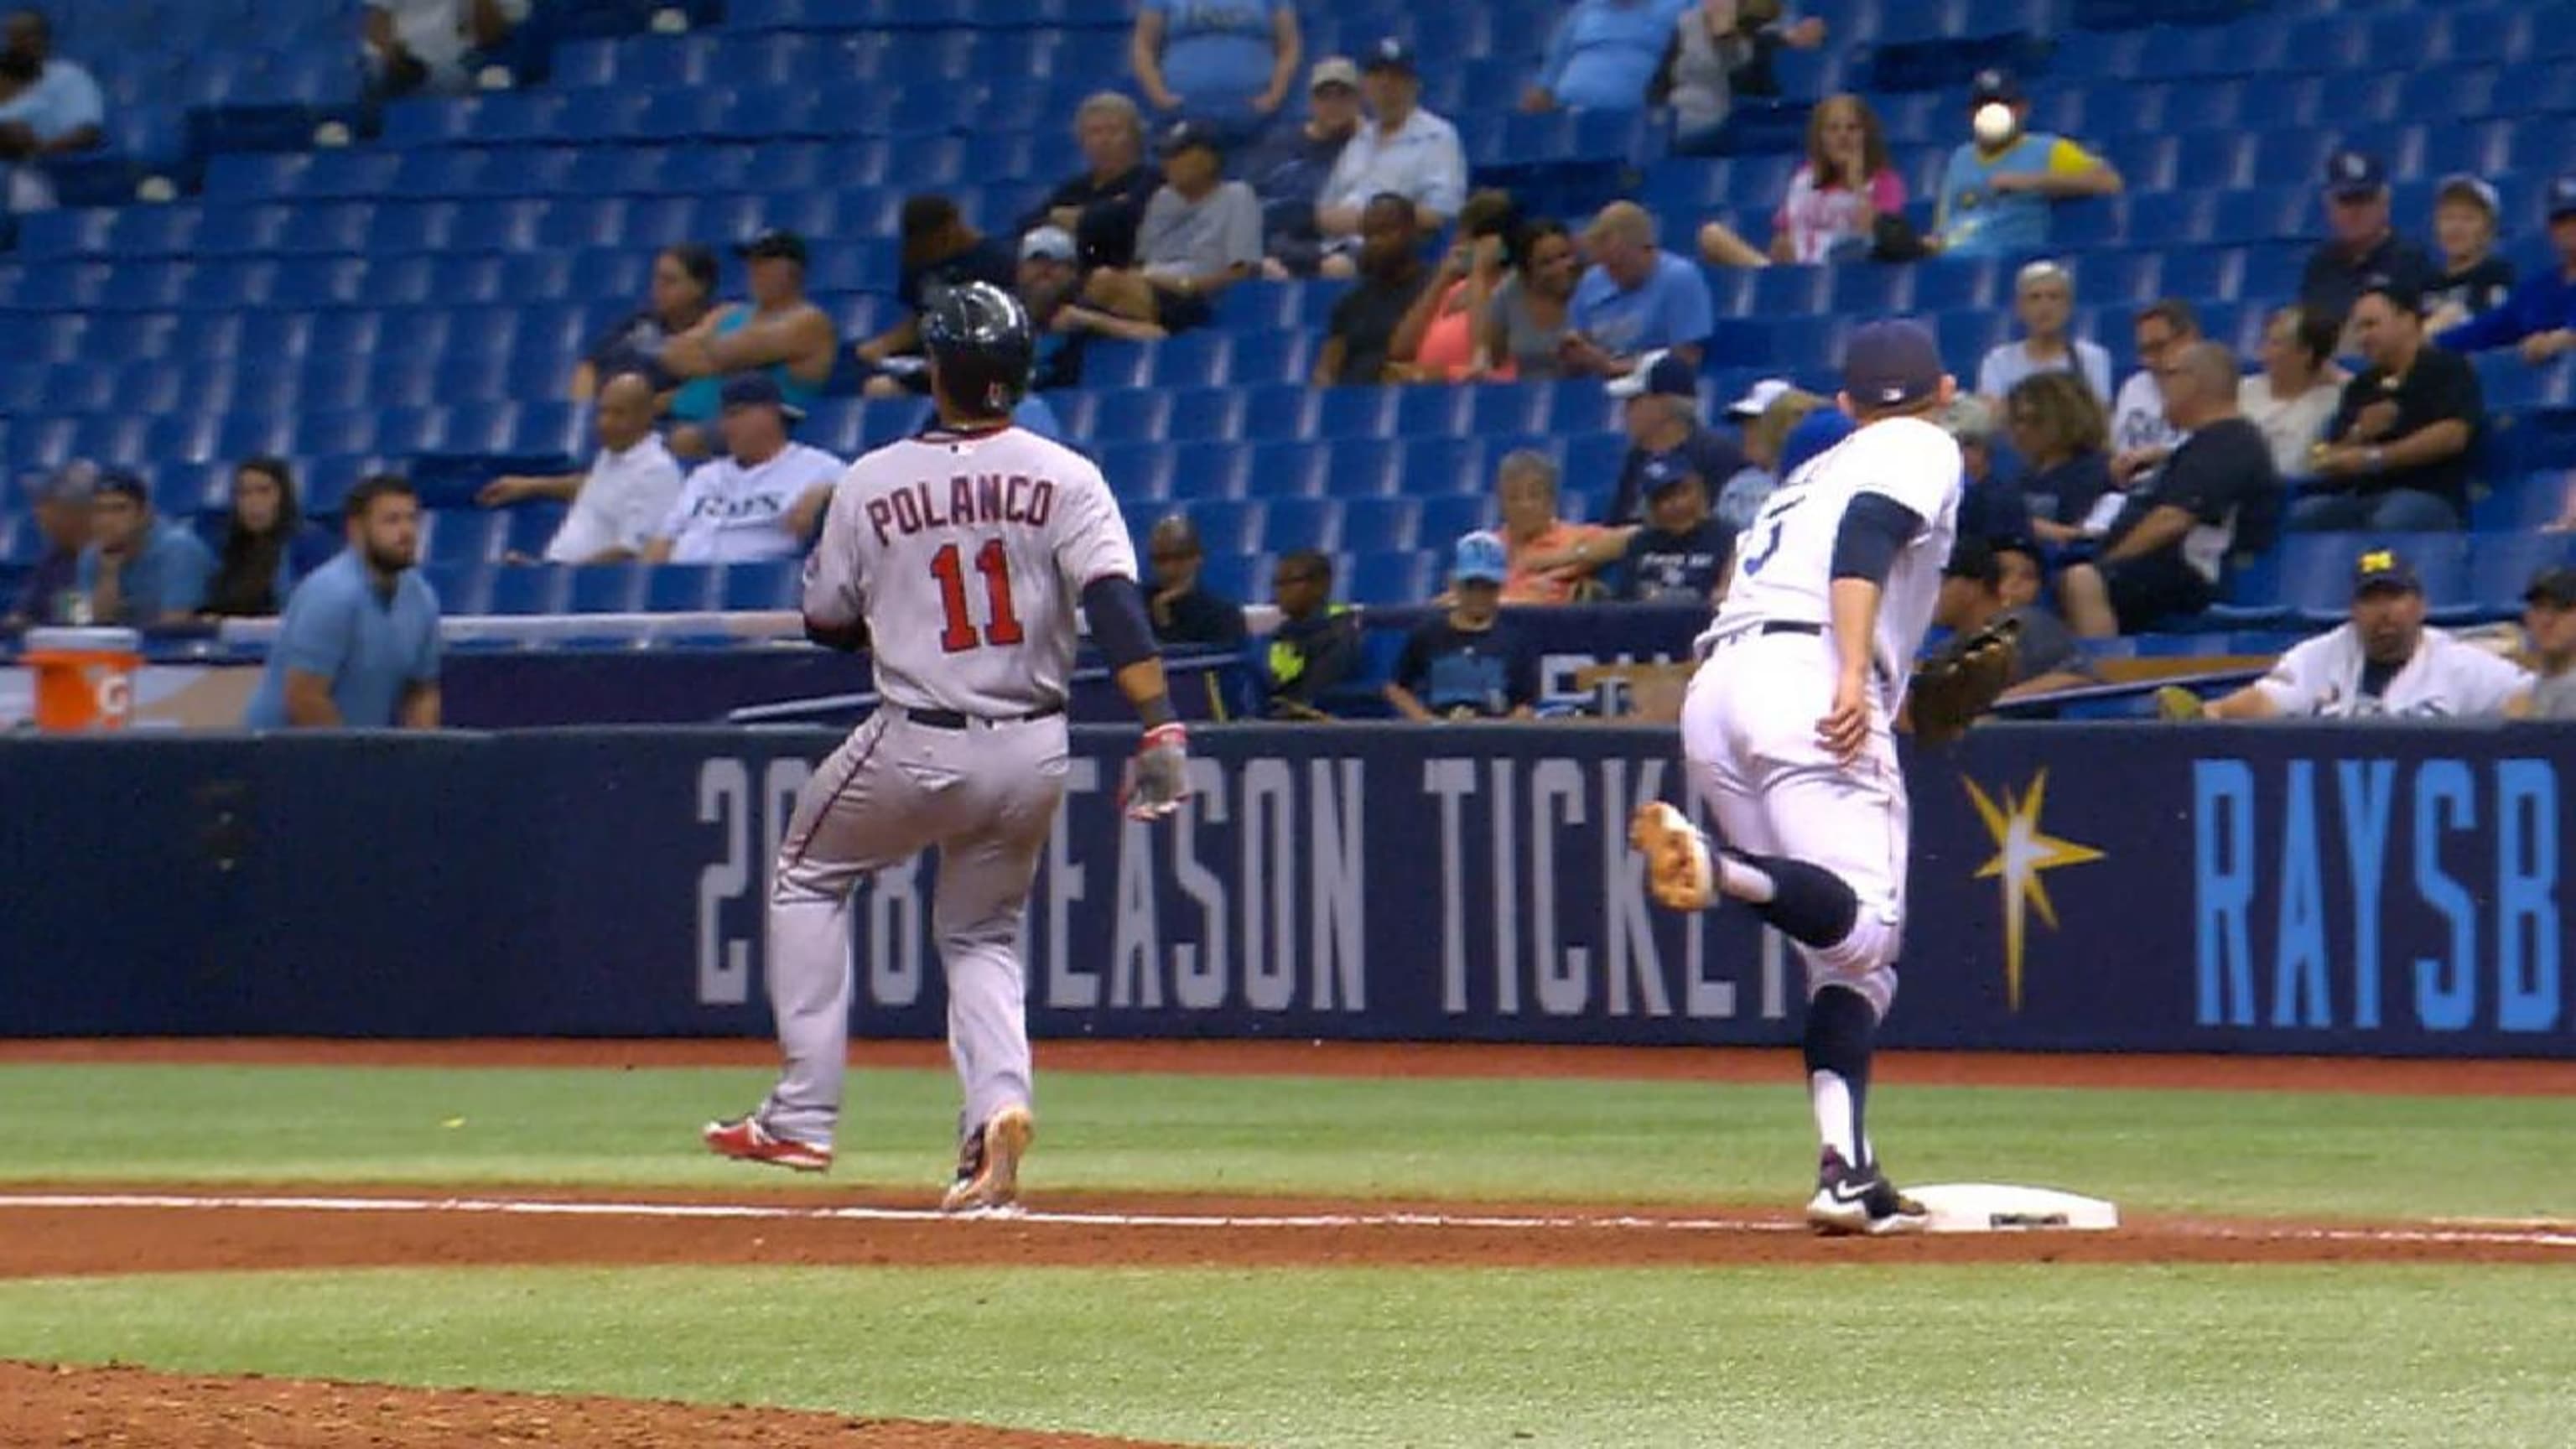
(1602,55)
(139,569)
(1636,298)
(48,108)
(1402,150)
(1995,196)
(358,648)
(1228,62)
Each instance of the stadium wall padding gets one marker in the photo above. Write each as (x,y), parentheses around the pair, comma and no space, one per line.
(2386,890)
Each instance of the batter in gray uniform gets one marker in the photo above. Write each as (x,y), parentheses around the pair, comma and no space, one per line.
(962,554)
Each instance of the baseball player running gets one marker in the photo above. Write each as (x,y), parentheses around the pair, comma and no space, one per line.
(961,553)
(1787,729)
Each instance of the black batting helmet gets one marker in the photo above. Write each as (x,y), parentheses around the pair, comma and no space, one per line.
(977,336)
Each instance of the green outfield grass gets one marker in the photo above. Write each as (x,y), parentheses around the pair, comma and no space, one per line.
(1432,1359)
(2278,1153)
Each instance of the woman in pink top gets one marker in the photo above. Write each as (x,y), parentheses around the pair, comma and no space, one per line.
(1436,341)
(1846,185)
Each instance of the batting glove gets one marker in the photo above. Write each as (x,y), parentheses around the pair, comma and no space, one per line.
(1158,778)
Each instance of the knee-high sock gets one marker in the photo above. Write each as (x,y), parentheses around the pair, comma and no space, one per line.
(1806,903)
(1841,1025)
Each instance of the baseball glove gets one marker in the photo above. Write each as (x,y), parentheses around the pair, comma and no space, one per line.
(1962,681)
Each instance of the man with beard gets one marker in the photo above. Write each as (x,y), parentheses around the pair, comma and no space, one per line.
(358,648)
(2383,662)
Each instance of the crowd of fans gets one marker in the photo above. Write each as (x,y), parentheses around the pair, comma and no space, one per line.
(2103,509)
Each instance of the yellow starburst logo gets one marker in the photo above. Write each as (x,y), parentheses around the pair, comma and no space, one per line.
(2022,852)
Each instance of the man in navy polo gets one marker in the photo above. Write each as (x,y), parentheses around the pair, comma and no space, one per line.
(358,648)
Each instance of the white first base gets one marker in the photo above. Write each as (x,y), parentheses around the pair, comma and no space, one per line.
(1985,1207)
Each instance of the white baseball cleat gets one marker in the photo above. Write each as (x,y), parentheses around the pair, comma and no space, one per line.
(988,1167)
(1679,870)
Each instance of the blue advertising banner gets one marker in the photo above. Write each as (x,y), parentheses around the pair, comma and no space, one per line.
(2376,890)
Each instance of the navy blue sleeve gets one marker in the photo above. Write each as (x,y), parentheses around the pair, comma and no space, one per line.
(1119,624)
(1875,529)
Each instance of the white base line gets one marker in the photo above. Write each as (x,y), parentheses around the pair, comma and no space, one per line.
(543,1208)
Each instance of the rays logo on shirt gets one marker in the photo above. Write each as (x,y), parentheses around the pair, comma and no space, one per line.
(734,510)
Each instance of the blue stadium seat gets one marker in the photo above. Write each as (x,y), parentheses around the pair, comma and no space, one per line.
(464,590)
(1356,411)
(682,589)
(530,589)
(1431,411)
(1280,411)
(1363,468)
(1209,471)
(2525,503)
(762,586)
(531,526)
(607,589)
(1206,414)
(1374,524)
(2500,566)
(1446,517)
(1394,577)
(1137,472)
(1133,416)
(461,535)
(1227,526)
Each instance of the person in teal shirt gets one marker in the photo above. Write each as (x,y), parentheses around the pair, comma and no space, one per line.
(779,331)
(1995,199)
(358,648)
(139,569)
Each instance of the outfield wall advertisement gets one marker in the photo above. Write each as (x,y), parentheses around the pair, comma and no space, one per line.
(2388,890)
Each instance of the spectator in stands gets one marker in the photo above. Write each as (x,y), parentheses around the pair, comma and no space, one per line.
(2540,314)
(2163,555)
(268,544)
(939,250)
(1114,178)
(1995,198)
(1635,298)
(1404,151)
(1290,164)
(1200,235)
(2044,300)
(1718,50)
(684,292)
(1226,63)
(621,503)
(1602,56)
(2360,243)
(1470,663)
(762,500)
(1769,422)
(139,568)
(1659,410)
(49,107)
(1681,553)
(411,45)
(2473,278)
(1524,329)
(1049,285)
(2396,459)
(358,646)
(2366,667)
(778,334)
(2058,427)
(1978,587)
(2549,623)
(1185,610)
(1835,198)
(2141,437)
(52,593)
(1991,507)
(2296,393)
(1317,643)
(1364,321)
(1550,557)
(1766,28)
(1436,341)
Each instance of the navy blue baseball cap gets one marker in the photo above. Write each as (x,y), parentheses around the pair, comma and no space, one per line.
(2554,587)
(125,481)
(1185,134)
(1888,364)
(758,390)
(775,242)
(1662,373)
(1664,471)
(2384,568)
(2562,196)
(1994,83)
(2351,175)
(1389,54)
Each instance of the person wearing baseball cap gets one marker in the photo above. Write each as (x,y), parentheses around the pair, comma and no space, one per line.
(2474,279)
(939,250)
(1659,410)
(1289,165)
(1988,579)
(2539,316)
(61,497)
(1469,663)
(1680,555)
(2360,243)
(2396,454)
(762,499)
(779,332)
(139,568)
(1200,235)
(2381,661)
(2549,627)
(1403,150)
(1996,190)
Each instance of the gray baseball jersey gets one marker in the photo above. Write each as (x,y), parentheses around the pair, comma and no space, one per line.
(967,557)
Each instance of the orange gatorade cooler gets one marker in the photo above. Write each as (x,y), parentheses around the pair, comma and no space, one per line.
(84,677)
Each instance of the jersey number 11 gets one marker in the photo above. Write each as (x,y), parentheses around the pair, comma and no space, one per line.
(994,563)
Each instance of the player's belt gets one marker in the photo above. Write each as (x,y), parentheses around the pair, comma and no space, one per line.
(949,719)
(1788,626)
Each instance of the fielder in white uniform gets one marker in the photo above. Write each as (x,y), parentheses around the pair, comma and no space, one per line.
(962,554)
(1788,732)
(2384,661)
(760,501)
